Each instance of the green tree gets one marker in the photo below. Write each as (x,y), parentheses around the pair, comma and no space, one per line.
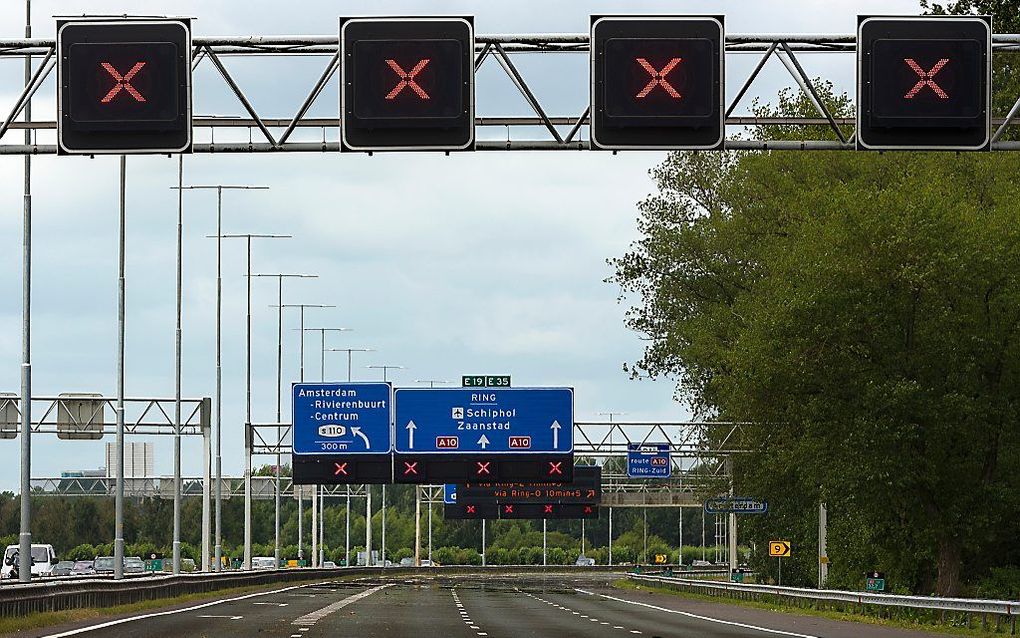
(860,311)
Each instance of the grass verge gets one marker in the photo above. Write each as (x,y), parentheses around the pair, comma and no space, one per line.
(16,625)
(903,623)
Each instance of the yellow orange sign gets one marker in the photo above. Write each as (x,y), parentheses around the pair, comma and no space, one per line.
(779,549)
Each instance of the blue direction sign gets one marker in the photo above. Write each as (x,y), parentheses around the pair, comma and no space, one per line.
(450,494)
(342,418)
(648,460)
(484,420)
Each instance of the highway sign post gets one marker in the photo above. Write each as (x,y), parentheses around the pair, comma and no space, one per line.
(648,460)
(736,505)
(780,550)
(585,488)
(924,83)
(407,84)
(485,381)
(874,581)
(464,434)
(450,494)
(657,82)
(124,86)
(342,433)
(556,511)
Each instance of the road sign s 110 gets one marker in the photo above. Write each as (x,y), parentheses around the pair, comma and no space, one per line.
(657,82)
(124,86)
(407,84)
(924,83)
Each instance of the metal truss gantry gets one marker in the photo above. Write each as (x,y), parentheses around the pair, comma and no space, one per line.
(266,134)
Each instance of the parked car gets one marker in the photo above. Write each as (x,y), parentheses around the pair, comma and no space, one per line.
(63,568)
(584,561)
(329,565)
(701,563)
(407,562)
(43,560)
(103,564)
(83,568)
(134,565)
(428,563)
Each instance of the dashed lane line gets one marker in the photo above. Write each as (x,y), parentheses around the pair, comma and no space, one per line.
(157,614)
(575,613)
(731,623)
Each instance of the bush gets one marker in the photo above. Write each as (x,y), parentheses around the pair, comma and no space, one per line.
(1002,584)
(81,552)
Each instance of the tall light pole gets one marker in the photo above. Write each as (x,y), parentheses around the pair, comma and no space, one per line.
(301,501)
(432,382)
(611,426)
(385,369)
(349,352)
(218,423)
(322,377)
(279,416)
(25,535)
(322,346)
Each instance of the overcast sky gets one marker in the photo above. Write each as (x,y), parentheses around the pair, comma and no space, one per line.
(487,263)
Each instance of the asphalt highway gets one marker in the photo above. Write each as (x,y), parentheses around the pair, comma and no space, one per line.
(487,606)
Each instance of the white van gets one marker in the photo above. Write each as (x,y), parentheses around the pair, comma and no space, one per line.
(263,562)
(43,560)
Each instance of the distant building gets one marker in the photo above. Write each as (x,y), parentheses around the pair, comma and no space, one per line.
(139,459)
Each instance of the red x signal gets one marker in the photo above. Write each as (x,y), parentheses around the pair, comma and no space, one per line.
(658,78)
(548,509)
(470,509)
(483,468)
(555,468)
(508,509)
(407,79)
(123,82)
(587,509)
(926,78)
(341,468)
(410,467)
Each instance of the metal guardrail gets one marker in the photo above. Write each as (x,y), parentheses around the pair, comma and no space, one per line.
(1008,610)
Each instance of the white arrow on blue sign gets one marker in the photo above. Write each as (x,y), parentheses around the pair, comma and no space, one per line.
(484,420)
(342,418)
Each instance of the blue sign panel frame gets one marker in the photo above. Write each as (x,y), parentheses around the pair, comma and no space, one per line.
(648,460)
(484,421)
(351,418)
(450,493)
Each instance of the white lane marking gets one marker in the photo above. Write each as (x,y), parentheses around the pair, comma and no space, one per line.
(617,627)
(731,623)
(273,604)
(315,616)
(228,617)
(634,631)
(157,614)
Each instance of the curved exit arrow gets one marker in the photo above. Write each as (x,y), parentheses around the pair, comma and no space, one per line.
(356,431)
